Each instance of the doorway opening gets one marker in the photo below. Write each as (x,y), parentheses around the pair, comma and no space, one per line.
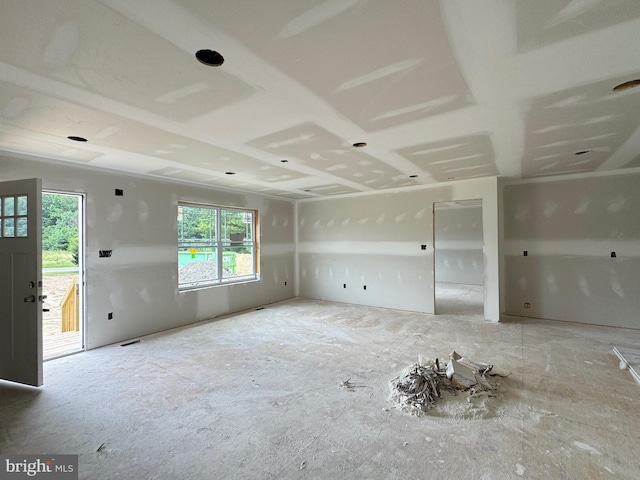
(458,257)
(62,274)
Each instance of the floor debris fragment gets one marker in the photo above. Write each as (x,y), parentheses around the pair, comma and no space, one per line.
(420,385)
(629,359)
(346,384)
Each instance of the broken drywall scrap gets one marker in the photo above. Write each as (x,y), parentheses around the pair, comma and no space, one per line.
(418,387)
(460,375)
(478,367)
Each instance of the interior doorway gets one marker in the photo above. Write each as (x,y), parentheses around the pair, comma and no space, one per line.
(458,257)
(62,274)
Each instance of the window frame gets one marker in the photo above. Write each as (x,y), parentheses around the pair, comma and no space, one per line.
(215,244)
(14,224)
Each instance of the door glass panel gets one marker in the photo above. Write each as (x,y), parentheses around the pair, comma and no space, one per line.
(8,227)
(9,206)
(22,205)
(22,228)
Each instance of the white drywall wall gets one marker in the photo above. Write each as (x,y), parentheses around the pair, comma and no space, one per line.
(138,283)
(569,227)
(375,240)
(458,242)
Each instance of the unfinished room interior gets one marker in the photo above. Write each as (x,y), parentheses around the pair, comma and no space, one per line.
(321,239)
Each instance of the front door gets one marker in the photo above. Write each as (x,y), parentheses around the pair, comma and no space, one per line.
(21,281)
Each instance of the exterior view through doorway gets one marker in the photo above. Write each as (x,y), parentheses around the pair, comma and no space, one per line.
(458,257)
(62,273)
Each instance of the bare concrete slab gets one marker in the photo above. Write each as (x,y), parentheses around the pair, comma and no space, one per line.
(261,395)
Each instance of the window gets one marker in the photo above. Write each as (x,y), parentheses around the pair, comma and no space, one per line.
(208,233)
(13,216)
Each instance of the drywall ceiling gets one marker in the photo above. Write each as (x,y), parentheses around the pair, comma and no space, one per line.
(439,91)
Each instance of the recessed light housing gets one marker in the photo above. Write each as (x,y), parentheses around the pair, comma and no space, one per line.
(77,139)
(360,144)
(627,85)
(210,58)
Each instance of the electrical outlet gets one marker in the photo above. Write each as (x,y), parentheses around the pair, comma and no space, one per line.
(527,305)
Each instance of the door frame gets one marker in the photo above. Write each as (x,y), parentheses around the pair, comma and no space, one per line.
(82,197)
(484,266)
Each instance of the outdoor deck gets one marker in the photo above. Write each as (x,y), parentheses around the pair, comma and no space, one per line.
(60,344)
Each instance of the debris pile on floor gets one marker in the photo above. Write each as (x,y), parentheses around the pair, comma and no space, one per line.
(420,385)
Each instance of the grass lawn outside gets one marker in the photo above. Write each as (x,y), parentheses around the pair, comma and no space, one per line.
(57,259)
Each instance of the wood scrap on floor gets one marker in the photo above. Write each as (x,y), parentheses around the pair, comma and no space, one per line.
(420,385)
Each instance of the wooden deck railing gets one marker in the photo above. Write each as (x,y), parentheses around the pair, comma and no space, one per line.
(70,308)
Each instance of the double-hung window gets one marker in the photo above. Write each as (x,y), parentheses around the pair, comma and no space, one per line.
(216,245)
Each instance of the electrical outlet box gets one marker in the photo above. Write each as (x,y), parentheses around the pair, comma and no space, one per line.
(110,316)
(527,305)
(104,253)
(119,192)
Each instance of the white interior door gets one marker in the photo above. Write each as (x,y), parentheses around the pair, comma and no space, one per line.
(21,281)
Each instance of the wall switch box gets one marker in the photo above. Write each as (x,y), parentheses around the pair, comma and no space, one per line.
(525,253)
(119,192)
(423,247)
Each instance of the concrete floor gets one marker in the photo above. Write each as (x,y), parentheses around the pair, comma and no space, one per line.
(257,395)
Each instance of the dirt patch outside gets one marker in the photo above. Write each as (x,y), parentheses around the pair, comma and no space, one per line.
(54,287)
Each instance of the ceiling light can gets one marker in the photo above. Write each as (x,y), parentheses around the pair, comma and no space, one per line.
(210,58)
